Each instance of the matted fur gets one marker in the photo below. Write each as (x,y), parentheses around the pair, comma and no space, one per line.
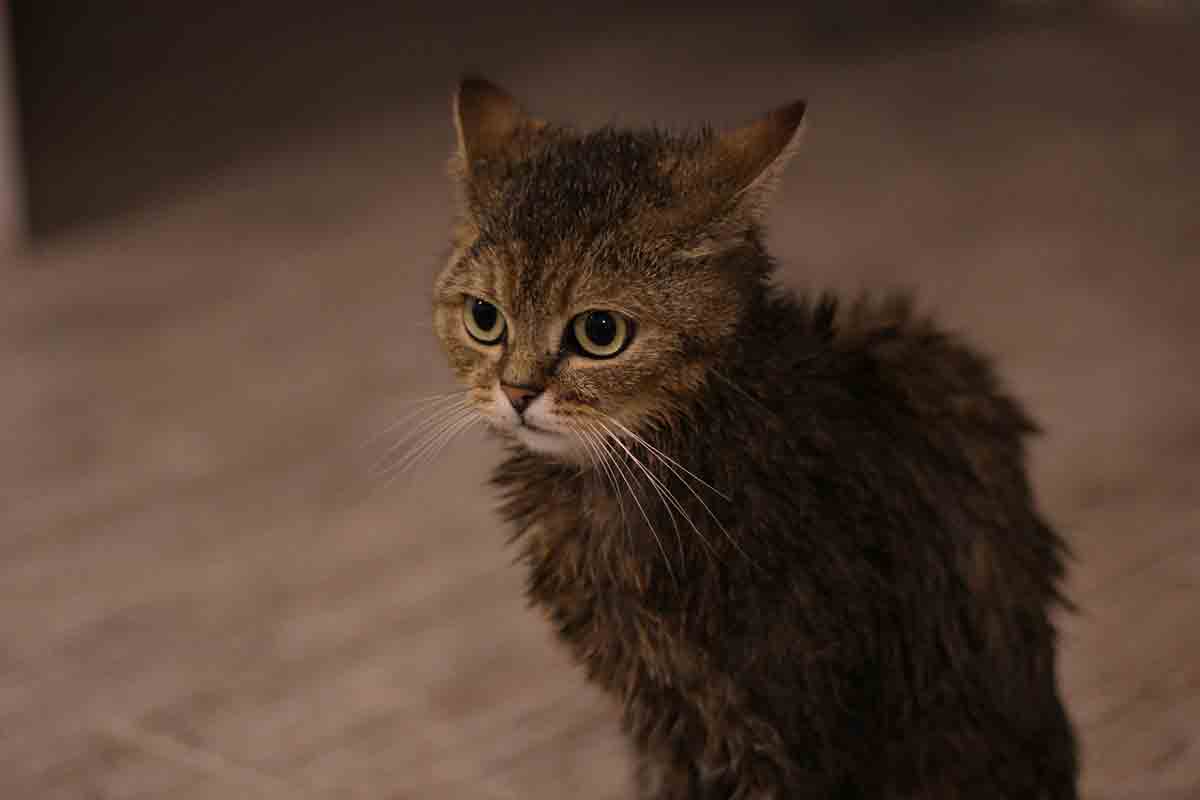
(849,596)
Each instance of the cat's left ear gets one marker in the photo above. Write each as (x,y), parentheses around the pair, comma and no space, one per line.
(489,122)
(752,158)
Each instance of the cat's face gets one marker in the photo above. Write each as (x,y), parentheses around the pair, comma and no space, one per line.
(557,344)
(593,277)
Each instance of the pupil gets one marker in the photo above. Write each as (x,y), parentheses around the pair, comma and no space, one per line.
(485,315)
(601,328)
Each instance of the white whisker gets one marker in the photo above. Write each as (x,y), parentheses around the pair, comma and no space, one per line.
(608,458)
(436,416)
(625,476)
(601,457)
(423,437)
(439,445)
(668,460)
(665,493)
(432,446)
(418,406)
(671,464)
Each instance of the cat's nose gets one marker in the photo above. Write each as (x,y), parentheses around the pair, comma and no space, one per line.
(520,396)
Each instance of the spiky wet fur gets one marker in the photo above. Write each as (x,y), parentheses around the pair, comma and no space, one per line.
(861,609)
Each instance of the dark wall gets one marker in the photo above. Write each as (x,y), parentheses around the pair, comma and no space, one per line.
(123,103)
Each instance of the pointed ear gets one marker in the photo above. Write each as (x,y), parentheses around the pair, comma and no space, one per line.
(752,158)
(487,119)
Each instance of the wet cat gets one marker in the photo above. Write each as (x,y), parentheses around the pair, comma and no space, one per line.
(792,536)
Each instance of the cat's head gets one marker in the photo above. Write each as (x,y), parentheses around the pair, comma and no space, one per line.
(595,276)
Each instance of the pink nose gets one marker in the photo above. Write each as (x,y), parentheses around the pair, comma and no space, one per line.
(519,396)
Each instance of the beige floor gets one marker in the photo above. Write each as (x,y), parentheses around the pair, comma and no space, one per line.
(206,593)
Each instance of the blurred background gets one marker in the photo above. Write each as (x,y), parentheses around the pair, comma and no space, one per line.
(220,226)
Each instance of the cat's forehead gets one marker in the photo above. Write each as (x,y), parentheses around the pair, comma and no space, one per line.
(575,217)
(539,284)
(580,187)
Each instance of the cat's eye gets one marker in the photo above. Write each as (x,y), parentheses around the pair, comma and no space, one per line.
(600,334)
(483,320)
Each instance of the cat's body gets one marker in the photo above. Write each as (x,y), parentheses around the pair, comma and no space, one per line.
(801,551)
(879,628)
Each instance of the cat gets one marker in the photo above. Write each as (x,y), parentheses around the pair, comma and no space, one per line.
(792,536)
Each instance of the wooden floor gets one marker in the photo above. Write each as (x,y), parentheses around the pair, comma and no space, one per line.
(206,592)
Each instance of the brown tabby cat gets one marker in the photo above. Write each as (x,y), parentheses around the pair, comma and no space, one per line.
(793,538)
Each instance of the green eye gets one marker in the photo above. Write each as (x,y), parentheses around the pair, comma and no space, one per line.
(483,321)
(601,334)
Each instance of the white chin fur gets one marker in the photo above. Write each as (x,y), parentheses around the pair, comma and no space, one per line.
(553,444)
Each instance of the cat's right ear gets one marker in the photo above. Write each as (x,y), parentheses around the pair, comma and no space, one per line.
(730,183)
(756,155)
(489,122)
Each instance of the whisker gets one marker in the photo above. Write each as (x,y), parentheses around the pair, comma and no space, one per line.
(667,496)
(434,428)
(435,416)
(447,435)
(440,443)
(729,382)
(588,448)
(632,493)
(601,457)
(668,499)
(414,408)
(430,431)
(430,448)
(668,462)
(418,429)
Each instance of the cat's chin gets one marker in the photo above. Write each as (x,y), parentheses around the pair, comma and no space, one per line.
(547,443)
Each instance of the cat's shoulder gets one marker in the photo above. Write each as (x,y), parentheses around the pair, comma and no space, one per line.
(886,347)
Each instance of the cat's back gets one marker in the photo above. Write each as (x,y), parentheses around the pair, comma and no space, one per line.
(870,420)
(871,366)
